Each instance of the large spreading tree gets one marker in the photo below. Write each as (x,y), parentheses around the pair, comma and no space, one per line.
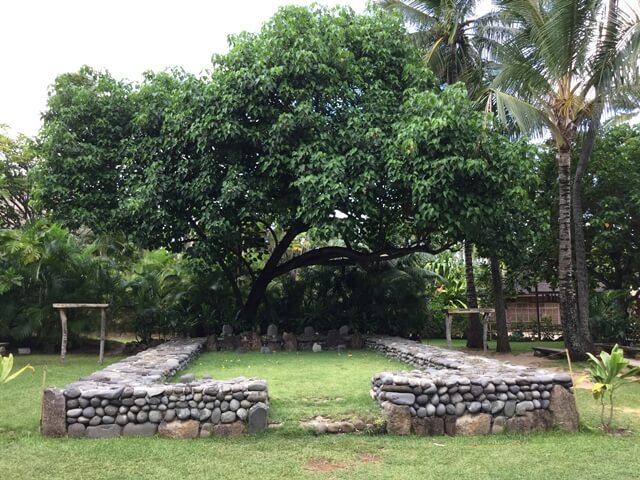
(325,124)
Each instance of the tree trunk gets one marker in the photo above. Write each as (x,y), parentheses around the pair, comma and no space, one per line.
(501,315)
(247,316)
(573,338)
(474,329)
(582,279)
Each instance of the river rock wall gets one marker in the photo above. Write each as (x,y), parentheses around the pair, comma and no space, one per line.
(127,398)
(456,393)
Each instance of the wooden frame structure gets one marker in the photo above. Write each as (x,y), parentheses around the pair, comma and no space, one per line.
(484,312)
(62,307)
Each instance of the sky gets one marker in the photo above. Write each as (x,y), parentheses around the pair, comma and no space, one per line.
(40,39)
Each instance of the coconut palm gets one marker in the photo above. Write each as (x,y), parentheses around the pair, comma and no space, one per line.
(563,63)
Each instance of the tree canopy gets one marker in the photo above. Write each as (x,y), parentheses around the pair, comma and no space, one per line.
(325,123)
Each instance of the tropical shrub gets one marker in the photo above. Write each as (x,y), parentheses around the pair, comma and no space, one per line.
(6,365)
(609,373)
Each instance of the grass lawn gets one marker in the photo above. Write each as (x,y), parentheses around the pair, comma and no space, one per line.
(302,385)
(516,347)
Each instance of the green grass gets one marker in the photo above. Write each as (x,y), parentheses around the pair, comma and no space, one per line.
(290,453)
(305,384)
(516,347)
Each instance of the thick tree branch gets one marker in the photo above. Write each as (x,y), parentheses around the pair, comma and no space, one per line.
(347,256)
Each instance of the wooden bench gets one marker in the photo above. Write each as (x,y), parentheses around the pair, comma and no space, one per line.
(629,352)
(548,352)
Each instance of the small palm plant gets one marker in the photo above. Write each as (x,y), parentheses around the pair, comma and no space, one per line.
(608,374)
(6,365)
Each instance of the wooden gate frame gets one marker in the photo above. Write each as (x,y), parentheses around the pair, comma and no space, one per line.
(61,307)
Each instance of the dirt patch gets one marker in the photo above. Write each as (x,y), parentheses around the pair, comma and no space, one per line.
(369,458)
(319,465)
(630,410)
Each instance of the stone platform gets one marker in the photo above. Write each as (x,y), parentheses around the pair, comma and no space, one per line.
(456,393)
(128,398)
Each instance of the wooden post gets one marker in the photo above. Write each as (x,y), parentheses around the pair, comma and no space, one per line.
(63,346)
(485,317)
(448,321)
(103,328)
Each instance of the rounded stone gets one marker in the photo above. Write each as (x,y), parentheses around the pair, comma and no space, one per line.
(228,417)
(121,420)
(234,405)
(74,412)
(216,415)
(95,421)
(142,417)
(155,416)
(242,413)
(183,413)
(108,419)
(475,407)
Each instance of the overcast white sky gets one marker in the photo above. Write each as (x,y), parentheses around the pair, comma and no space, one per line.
(41,39)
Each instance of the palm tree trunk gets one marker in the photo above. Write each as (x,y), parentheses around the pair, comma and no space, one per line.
(501,314)
(568,316)
(582,279)
(474,330)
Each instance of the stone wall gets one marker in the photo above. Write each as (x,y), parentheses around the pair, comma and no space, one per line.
(456,393)
(127,398)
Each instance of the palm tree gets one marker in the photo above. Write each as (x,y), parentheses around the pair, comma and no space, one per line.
(563,63)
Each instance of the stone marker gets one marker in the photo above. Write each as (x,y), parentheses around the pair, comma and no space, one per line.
(227,330)
(272,331)
(333,338)
(53,413)
(398,418)
(357,341)
(563,409)
(309,331)
(316,348)
(344,330)
(257,419)
(212,343)
(290,342)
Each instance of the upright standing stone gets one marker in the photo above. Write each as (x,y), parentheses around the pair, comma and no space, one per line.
(257,419)
(272,331)
(227,330)
(357,340)
(563,409)
(54,422)
(316,348)
(212,343)
(344,330)
(333,338)
(398,418)
(290,342)
(309,331)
